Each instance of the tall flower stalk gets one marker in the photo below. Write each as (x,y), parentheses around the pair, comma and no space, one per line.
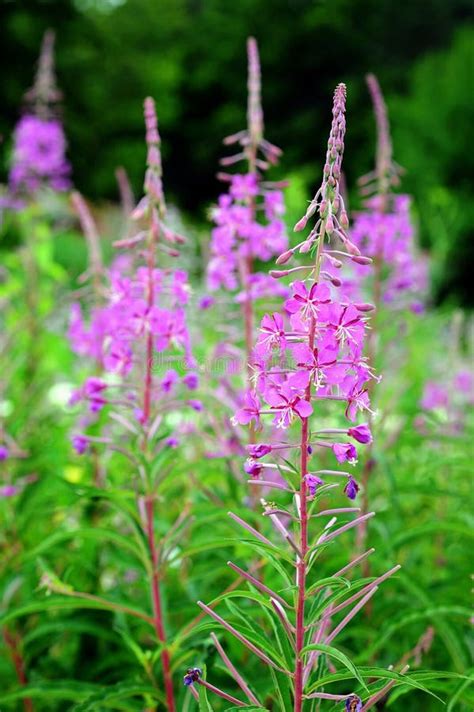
(39,151)
(241,236)
(310,357)
(397,278)
(138,325)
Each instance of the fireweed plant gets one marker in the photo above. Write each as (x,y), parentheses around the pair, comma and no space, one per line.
(396,280)
(39,151)
(384,230)
(248,218)
(248,224)
(310,356)
(141,326)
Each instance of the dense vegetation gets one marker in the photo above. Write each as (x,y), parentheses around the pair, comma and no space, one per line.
(162,367)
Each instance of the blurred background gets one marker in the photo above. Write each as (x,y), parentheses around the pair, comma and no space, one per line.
(190,55)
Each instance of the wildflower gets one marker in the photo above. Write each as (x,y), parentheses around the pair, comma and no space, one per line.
(172,442)
(307,302)
(252,467)
(361,433)
(313,482)
(250,410)
(169,381)
(345,452)
(351,488)
(39,150)
(195,404)
(191,381)
(324,332)
(434,396)
(259,450)
(4,453)
(80,443)
(8,491)
(192,675)
(206,302)
(353,704)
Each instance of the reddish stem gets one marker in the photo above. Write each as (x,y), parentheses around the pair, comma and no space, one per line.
(152,240)
(156,599)
(19,665)
(301,567)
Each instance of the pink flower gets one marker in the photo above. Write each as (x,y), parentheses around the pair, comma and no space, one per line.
(434,396)
(351,488)
(307,302)
(80,443)
(345,452)
(272,334)
(243,187)
(288,404)
(313,482)
(259,450)
(250,410)
(361,433)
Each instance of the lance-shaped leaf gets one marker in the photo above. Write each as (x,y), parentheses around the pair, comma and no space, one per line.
(349,616)
(258,584)
(366,589)
(337,655)
(324,538)
(233,671)
(259,653)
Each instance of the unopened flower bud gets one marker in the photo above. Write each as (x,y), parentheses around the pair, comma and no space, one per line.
(329,224)
(301,224)
(284,257)
(306,246)
(351,248)
(361,260)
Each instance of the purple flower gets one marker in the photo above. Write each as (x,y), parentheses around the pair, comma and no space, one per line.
(39,156)
(206,302)
(8,491)
(361,433)
(4,453)
(191,381)
(313,483)
(351,488)
(353,704)
(250,410)
(80,443)
(306,301)
(169,381)
(259,450)
(195,405)
(172,442)
(192,675)
(434,396)
(252,467)
(345,452)
(244,186)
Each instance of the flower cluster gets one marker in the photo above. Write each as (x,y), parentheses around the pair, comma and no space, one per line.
(449,399)
(39,156)
(247,220)
(39,151)
(312,352)
(388,236)
(306,356)
(384,229)
(239,237)
(144,314)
